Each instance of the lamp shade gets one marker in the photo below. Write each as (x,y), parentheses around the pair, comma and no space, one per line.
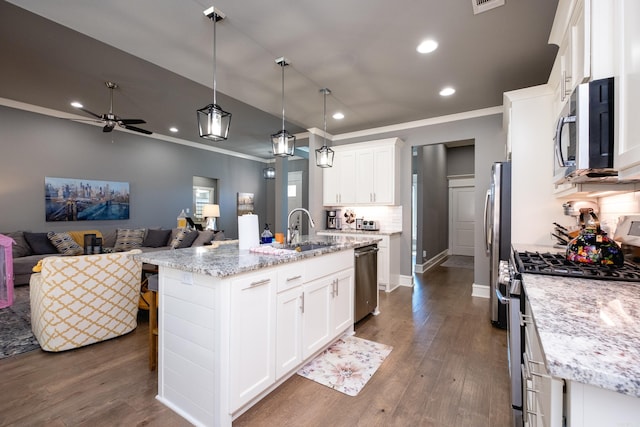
(211,211)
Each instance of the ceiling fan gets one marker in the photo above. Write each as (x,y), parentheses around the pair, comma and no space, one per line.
(111,120)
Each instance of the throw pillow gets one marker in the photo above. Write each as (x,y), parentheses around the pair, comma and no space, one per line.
(184,238)
(21,247)
(65,244)
(204,238)
(127,239)
(156,238)
(40,243)
(219,235)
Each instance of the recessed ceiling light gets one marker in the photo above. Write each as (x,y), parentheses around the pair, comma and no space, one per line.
(76,104)
(447,91)
(338,116)
(173,129)
(427,46)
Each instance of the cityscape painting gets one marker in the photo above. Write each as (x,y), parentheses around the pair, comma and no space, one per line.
(68,199)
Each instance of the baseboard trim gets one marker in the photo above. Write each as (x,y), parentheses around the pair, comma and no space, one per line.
(430,263)
(481,291)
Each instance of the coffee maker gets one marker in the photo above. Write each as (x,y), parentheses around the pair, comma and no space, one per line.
(333,220)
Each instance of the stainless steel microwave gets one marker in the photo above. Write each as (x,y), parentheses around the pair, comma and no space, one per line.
(584,139)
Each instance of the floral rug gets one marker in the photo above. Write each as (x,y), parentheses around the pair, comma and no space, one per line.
(347,365)
(15,325)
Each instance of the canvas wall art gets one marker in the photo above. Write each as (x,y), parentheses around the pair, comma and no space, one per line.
(68,199)
(245,203)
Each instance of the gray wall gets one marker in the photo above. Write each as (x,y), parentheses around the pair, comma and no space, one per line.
(490,142)
(432,198)
(160,173)
(460,160)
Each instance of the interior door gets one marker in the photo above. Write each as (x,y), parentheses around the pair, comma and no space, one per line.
(461,218)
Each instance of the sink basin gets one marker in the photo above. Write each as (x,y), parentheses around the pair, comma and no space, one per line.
(303,247)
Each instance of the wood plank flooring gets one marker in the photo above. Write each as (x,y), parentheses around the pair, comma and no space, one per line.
(448,368)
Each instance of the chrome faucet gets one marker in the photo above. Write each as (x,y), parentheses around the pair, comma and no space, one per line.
(289,231)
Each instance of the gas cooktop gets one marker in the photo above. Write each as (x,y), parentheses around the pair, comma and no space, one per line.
(558,265)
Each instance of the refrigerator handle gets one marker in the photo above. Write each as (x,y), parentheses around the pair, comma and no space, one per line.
(487,232)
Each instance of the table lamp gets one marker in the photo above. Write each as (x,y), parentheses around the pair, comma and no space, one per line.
(211,212)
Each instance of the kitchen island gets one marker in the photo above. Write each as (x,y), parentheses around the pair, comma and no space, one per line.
(233,324)
(588,332)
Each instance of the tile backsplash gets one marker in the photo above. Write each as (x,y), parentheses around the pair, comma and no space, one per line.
(389,217)
(612,208)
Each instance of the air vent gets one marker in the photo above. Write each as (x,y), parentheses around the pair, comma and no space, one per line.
(480,6)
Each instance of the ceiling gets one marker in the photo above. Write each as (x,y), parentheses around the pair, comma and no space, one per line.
(160,52)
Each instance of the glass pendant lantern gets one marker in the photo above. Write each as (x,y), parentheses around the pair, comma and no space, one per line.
(213,121)
(324,154)
(283,143)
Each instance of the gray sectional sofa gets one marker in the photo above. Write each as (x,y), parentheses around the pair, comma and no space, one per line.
(31,247)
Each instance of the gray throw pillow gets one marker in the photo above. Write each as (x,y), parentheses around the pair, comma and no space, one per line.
(156,238)
(21,247)
(40,243)
(184,238)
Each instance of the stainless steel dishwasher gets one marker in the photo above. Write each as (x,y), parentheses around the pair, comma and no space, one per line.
(366,295)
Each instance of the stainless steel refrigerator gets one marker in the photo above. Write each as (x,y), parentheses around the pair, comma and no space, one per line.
(497,225)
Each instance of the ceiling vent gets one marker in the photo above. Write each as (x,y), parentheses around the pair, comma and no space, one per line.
(480,6)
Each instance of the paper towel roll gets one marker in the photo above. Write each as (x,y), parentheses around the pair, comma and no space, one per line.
(248,231)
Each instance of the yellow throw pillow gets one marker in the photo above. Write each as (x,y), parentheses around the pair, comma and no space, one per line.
(78,236)
(38,267)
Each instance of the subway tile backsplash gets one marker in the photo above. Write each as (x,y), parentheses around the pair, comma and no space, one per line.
(614,207)
(389,217)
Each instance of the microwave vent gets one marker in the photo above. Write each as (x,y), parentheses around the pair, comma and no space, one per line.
(480,6)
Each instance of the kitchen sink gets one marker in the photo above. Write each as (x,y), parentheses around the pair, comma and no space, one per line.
(307,246)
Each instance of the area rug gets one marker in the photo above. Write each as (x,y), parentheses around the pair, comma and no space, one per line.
(347,365)
(15,325)
(459,261)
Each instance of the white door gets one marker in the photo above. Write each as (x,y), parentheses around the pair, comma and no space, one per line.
(461,217)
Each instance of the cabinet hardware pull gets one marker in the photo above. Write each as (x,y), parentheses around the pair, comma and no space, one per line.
(260,282)
(302,303)
(293,278)
(337,288)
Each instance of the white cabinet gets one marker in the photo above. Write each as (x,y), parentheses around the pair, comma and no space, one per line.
(342,302)
(627,88)
(542,394)
(252,336)
(339,181)
(317,322)
(363,174)
(288,330)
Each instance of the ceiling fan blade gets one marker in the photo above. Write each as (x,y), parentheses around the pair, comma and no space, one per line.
(133,128)
(132,121)
(91,113)
(107,128)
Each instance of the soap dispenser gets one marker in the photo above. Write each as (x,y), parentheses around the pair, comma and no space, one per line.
(266,236)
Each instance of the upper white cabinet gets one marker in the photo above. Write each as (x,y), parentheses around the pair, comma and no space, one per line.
(365,173)
(627,73)
(339,186)
(583,32)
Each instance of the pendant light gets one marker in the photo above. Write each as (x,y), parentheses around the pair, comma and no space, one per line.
(284,144)
(269,173)
(324,154)
(213,121)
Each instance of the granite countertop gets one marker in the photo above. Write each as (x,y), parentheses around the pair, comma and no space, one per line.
(589,329)
(364,232)
(227,260)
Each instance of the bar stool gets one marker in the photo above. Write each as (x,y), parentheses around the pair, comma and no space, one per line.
(153,322)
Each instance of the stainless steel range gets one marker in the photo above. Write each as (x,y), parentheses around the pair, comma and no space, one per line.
(558,265)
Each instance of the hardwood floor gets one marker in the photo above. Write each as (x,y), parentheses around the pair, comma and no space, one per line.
(448,367)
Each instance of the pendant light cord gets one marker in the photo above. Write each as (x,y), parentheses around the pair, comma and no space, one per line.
(283,65)
(324,136)
(215,18)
